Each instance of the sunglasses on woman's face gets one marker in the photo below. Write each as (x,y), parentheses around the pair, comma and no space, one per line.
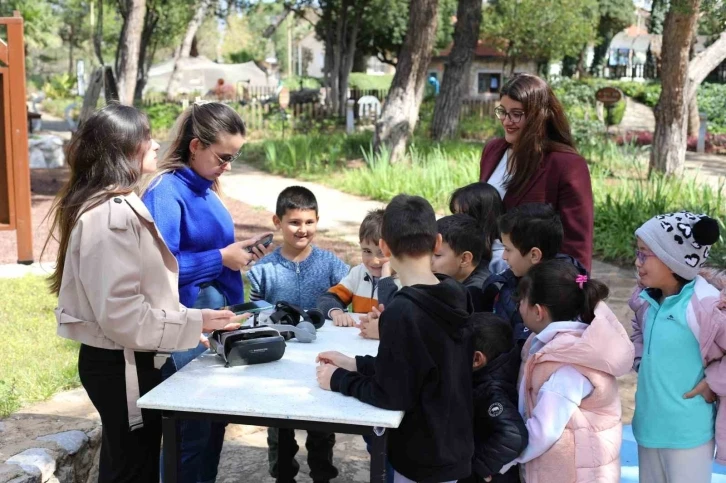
(226,158)
(514,116)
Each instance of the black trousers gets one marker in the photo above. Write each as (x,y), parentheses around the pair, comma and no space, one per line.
(320,454)
(126,456)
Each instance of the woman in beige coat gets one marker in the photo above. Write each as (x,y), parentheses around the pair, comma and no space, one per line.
(117,288)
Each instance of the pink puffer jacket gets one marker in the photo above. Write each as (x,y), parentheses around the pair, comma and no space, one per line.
(706,317)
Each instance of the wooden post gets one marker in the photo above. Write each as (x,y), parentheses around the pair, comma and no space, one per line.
(19,137)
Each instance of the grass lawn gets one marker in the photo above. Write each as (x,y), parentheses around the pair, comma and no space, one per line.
(34,362)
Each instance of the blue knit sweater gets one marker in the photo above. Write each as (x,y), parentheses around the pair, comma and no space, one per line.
(275,278)
(195,225)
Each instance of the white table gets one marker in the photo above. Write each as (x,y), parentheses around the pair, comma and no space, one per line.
(282,394)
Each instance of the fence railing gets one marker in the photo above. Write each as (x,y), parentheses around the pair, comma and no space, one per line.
(259,109)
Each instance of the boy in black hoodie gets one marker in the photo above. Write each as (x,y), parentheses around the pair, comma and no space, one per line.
(500,434)
(424,361)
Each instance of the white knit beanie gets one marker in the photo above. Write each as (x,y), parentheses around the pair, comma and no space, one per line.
(680,240)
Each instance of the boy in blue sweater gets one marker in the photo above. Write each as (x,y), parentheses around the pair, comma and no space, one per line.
(298,272)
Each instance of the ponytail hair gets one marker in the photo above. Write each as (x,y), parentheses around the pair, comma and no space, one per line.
(567,292)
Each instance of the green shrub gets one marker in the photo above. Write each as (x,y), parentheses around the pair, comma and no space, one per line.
(293,83)
(359,80)
(60,86)
(57,106)
(711,101)
(614,115)
(162,117)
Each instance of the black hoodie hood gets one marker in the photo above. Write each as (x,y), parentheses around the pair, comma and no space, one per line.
(448,302)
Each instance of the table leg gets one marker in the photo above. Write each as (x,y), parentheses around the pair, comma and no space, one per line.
(378,458)
(172,448)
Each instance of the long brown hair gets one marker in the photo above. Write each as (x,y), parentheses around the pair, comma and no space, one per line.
(203,121)
(546,128)
(104,156)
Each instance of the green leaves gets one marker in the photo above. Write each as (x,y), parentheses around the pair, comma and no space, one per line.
(541,29)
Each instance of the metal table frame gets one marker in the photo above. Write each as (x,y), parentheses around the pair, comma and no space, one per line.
(172,452)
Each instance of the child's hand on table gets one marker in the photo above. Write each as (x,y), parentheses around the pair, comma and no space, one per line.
(325,374)
(369,323)
(336,359)
(342,319)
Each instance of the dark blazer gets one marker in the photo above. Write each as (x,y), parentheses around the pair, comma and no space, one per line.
(562,180)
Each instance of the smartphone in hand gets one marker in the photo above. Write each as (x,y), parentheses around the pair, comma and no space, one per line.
(265,241)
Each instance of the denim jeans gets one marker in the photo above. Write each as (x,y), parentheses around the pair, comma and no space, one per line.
(201,441)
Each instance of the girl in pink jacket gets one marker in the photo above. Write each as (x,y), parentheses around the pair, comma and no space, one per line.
(568,392)
(679,331)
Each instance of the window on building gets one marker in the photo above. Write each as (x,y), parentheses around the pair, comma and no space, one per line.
(488,82)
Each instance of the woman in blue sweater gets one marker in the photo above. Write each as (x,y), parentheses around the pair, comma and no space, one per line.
(199,230)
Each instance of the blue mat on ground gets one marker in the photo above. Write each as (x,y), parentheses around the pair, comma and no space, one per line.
(629,460)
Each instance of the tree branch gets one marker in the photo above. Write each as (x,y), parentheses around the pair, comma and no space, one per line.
(701,65)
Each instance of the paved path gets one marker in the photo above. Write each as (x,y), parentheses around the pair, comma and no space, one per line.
(708,168)
(340,213)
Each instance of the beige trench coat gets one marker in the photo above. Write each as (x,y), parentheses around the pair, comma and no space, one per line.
(120,289)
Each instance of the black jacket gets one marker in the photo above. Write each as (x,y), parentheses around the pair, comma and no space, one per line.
(478,276)
(500,434)
(423,367)
(498,295)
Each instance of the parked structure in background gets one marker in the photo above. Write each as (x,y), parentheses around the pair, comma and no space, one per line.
(488,70)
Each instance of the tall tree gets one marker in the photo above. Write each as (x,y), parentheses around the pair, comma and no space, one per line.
(532,29)
(400,111)
(615,15)
(186,46)
(670,138)
(127,66)
(456,73)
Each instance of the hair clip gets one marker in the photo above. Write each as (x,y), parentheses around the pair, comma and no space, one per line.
(581,280)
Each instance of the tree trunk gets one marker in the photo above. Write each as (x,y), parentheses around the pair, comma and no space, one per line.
(93,92)
(347,63)
(186,47)
(456,74)
(400,112)
(338,46)
(327,17)
(148,48)
(98,32)
(580,69)
(669,141)
(698,69)
(130,47)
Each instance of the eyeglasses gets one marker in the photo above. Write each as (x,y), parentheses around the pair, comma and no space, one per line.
(502,114)
(228,158)
(642,256)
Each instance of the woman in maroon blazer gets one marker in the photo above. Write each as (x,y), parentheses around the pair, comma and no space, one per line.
(537,162)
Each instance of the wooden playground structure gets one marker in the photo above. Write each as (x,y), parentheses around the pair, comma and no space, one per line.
(15,205)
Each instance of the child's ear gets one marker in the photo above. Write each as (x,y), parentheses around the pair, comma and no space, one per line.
(384,248)
(276,221)
(535,256)
(439,241)
(480,360)
(465,259)
(541,312)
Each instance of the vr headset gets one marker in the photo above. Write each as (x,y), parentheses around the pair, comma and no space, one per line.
(266,342)
(248,345)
